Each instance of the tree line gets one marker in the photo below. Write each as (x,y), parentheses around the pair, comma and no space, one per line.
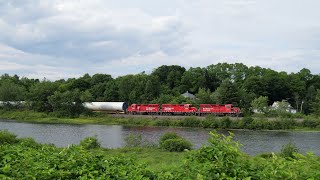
(220,83)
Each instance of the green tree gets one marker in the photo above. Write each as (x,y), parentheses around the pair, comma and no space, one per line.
(193,79)
(260,104)
(152,89)
(163,99)
(227,93)
(10,91)
(169,75)
(112,91)
(38,96)
(100,78)
(316,104)
(86,96)
(132,88)
(204,96)
(255,85)
(67,103)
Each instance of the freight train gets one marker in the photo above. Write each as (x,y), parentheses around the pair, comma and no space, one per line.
(184,109)
(164,109)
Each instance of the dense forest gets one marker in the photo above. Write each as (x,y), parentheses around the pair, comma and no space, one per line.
(218,83)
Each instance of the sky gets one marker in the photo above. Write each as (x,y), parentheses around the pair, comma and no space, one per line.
(57,39)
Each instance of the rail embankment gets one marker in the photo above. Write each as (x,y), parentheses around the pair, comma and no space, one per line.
(253,123)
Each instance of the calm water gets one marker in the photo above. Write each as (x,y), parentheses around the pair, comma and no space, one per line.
(253,142)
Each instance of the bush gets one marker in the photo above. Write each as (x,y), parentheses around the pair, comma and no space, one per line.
(288,150)
(311,123)
(220,159)
(29,142)
(168,135)
(161,122)
(176,145)
(265,155)
(246,122)
(90,143)
(7,137)
(191,122)
(172,142)
(225,123)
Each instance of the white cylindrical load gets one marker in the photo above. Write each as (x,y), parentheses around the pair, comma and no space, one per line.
(107,106)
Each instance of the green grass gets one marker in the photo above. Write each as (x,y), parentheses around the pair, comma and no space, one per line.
(23,158)
(156,159)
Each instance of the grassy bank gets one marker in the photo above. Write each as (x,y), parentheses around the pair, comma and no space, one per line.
(220,159)
(253,123)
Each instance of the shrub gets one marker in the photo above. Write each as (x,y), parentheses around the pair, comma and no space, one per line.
(288,150)
(246,122)
(90,143)
(168,135)
(172,142)
(29,142)
(311,123)
(161,122)
(220,159)
(207,123)
(191,122)
(176,145)
(7,137)
(225,123)
(265,155)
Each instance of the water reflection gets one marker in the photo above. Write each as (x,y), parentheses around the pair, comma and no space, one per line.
(254,142)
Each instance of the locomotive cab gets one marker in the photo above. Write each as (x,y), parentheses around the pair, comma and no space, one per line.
(132,109)
(231,110)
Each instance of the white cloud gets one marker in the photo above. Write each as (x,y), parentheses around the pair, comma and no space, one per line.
(60,39)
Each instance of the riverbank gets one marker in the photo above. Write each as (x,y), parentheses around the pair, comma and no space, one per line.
(220,159)
(251,123)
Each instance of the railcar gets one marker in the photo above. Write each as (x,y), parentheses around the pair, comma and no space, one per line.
(219,110)
(151,109)
(110,107)
(178,109)
(164,109)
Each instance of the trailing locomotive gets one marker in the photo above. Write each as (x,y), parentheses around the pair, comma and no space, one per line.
(184,109)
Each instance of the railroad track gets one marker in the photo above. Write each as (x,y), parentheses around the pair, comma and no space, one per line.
(163,116)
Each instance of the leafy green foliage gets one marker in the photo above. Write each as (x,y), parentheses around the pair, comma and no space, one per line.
(7,137)
(316,104)
(176,145)
(90,143)
(170,141)
(221,158)
(260,104)
(288,150)
(66,104)
(217,83)
(10,91)
(38,96)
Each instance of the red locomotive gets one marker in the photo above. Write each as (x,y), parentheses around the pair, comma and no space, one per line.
(181,109)
(219,110)
(153,109)
(185,109)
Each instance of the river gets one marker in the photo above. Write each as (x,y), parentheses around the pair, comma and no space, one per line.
(112,136)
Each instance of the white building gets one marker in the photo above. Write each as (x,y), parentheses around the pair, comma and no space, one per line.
(283,105)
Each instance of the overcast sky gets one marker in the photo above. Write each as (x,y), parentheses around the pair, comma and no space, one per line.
(68,38)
